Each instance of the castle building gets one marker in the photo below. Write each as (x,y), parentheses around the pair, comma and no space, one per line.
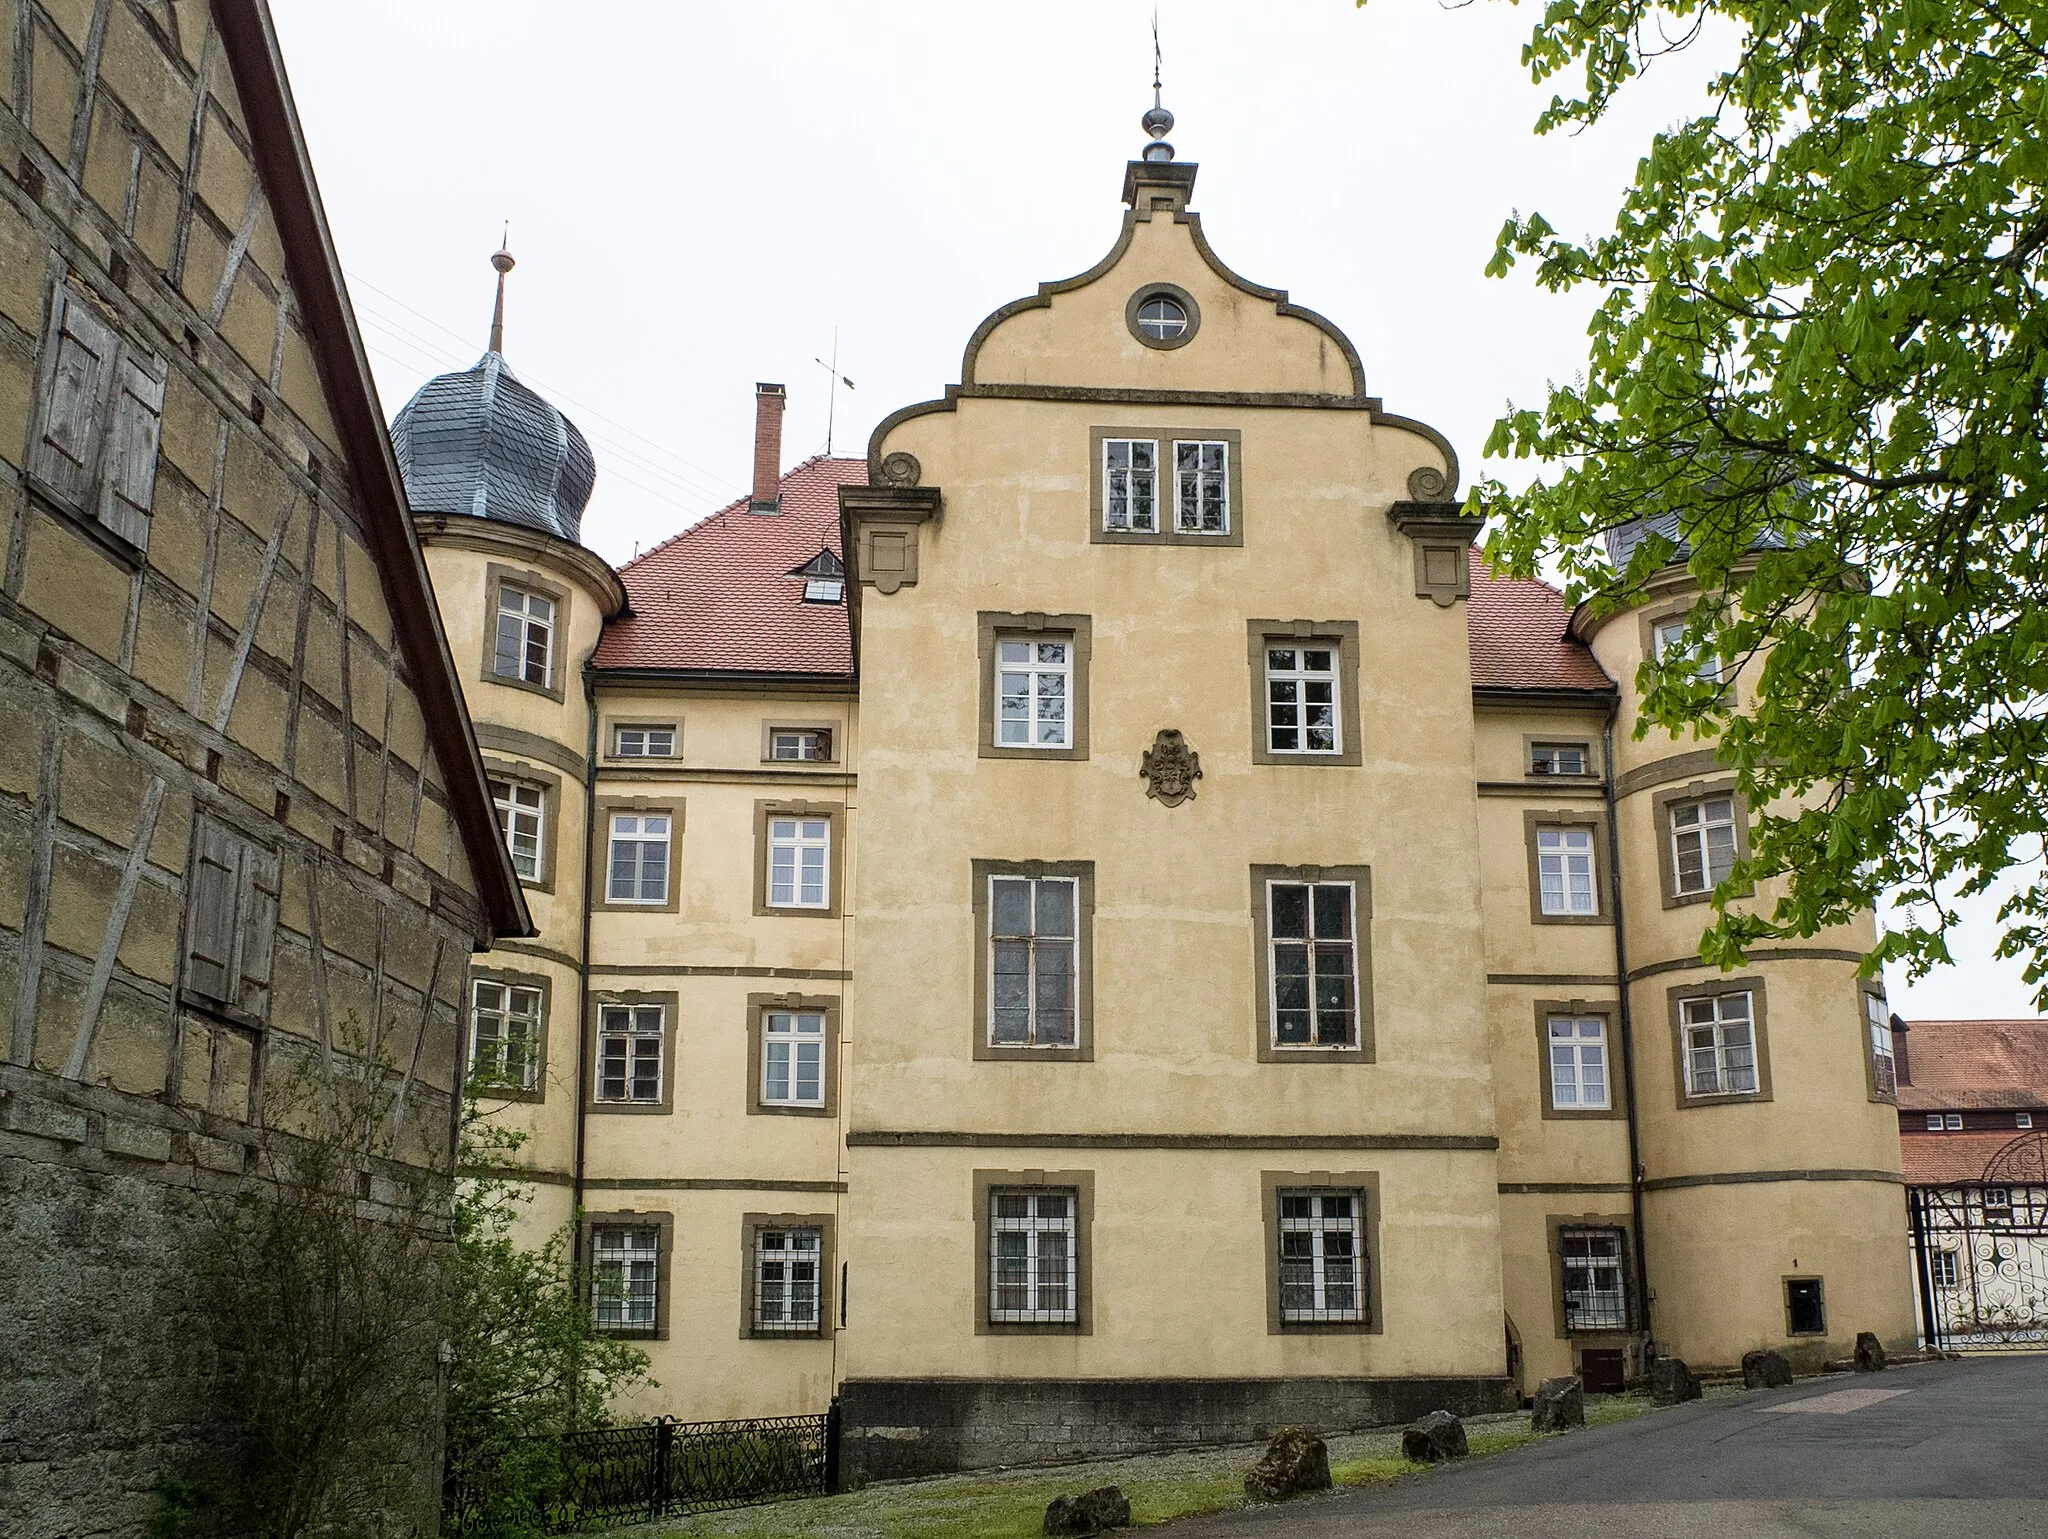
(1102,923)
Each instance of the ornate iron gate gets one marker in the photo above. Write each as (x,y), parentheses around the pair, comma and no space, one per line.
(1982,1253)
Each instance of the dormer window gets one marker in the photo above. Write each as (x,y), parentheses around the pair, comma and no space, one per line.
(824,578)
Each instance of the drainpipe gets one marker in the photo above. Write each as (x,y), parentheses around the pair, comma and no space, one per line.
(583,966)
(1626,1025)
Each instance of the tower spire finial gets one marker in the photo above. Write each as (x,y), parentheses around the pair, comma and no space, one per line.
(502,261)
(1157,122)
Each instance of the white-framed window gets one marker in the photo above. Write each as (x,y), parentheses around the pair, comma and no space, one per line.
(2022,1119)
(799,862)
(1162,319)
(800,745)
(1702,843)
(1312,961)
(1669,642)
(1321,1276)
(1301,699)
(505,1033)
(1034,678)
(1032,1256)
(643,742)
(630,1043)
(638,863)
(1557,758)
(1720,1044)
(1578,1063)
(1130,485)
(1564,872)
(1952,1122)
(1032,960)
(1946,1272)
(1201,479)
(521,811)
(787,1263)
(793,1058)
(1884,1067)
(1934,1122)
(1998,1202)
(625,1277)
(526,634)
(1595,1298)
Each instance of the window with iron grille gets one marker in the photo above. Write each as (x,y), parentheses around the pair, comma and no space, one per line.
(630,1043)
(1201,473)
(1702,843)
(1557,758)
(1032,962)
(1564,872)
(799,862)
(1322,1259)
(793,1058)
(504,1034)
(1998,1202)
(1946,1272)
(811,745)
(1130,498)
(1884,1068)
(1312,963)
(1720,1044)
(1301,699)
(638,867)
(1595,1296)
(526,636)
(644,742)
(625,1278)
(1032,1255)
(1034,675)
(521,809)
(1578,1063)
(787,1266)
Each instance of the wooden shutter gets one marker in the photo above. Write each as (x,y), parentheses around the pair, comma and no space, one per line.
(210,913)
(257,927)
(128,480)
(66,452)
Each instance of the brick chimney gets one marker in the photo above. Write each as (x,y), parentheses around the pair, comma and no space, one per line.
(769,401)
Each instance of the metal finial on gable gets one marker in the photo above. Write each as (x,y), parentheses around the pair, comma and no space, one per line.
(502,261)
(1157,121)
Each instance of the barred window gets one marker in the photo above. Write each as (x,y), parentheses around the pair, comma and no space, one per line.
(1945,1269)
(1301,699)
(625,1276)
(793,1058)
(526,631)
(1720,1045)
(630,1039)
(1032,1242)
(1313,964)
(786,1277)
(1884,1067)
(645,743)
(1321,1260)
(504,1034)
(1201,473)
(1564,872)
(799,862)
(1033,685)
(1129,490)
(639,858)
(1578,1063)
(1032,961)
(801,744)
(1702,843)
(1595,1298)
(521,808)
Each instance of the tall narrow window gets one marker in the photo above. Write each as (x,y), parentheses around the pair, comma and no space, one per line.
(1578,1063)
(630,1039)
(1720,1045)
(1806,1311)
(799,862)
(232,894)
(1201,475)
(99,420)
(1702,843)
(1031,1269)
(1313,963)
(1031,961)
(504,1035)
(1564,872)
(786,1279)
(625,1278)
(793,1058)
(1945,1269)
(1301,699)
(1130,498)
(520,810)
(1595,1298)
(1032,679)
(526,631)
(1884,1067)
(639,858)
(1320,1260)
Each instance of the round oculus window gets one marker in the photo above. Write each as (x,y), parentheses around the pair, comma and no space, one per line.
(1162,319)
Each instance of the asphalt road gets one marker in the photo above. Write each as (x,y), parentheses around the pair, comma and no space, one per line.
(1933,1449)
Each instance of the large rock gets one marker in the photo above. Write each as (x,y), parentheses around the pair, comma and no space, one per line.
(1294,1463)
(1869,1352)
(1558,1404)
(1671,1382)
(1765,1370)
(1435,1438)
(1092,1512)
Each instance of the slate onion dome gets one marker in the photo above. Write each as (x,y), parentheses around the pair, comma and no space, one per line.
(479,444)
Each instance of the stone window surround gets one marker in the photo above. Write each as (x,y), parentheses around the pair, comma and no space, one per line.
(835,857)
(497,576)
(1166,487)
(1759,1032)
(1785,1281)
(670,1002)
(1606,1011)
(664,1225)
(1083,873)
(1554,1225)
(1161,290)
(1592,818)
(541,981)
(611,739)
(990,624)
(1594,769)
(1660,821)
(1082,1184)
(1654,615)
(1361,924)
(1343,634)
(758,1006)
(774,724)
(824,1223)
(1873,988)
(550,813)
(601,853)
(1365,1184)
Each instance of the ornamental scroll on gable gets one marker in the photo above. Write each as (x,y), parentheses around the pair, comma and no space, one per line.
(1441,532)
(1170,768)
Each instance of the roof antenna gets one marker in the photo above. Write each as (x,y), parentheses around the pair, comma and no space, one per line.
(502,260)
(832,390)
(1157,122)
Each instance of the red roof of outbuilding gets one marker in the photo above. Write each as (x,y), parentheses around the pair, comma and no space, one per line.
(1946,1159)
(1519,637)
(719,598)
(1983,1065)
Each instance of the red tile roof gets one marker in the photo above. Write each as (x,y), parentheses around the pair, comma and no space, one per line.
(1519,640)
(1988,1065)
(719,597)
(1944,1159)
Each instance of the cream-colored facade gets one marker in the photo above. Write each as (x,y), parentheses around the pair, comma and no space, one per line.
(1198,1141)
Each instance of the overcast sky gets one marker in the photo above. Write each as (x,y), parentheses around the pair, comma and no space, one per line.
(701,194)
